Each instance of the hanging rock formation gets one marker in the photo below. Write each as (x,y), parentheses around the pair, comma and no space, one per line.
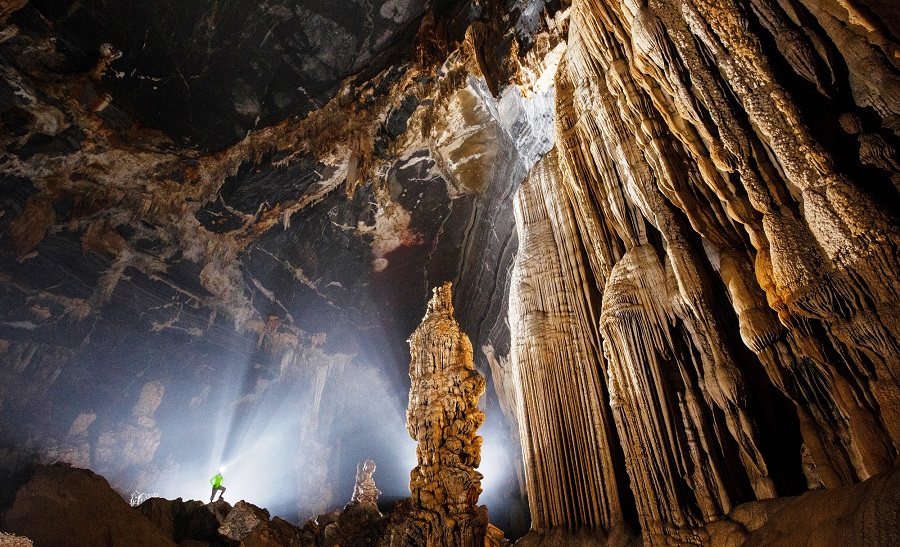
(443,417)
(730,251)
(565,425)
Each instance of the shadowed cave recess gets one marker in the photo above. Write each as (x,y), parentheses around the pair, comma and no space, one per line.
(671,229)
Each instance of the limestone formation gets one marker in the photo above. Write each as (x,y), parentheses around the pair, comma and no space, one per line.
(12,540)
(132,444)
(443,418)
(735,259)
(672,228)
(565,426)
(365,491)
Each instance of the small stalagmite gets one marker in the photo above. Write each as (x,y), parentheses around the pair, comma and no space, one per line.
(365,491)
(443,418)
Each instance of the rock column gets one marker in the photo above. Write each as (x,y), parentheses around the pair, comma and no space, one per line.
(443,418)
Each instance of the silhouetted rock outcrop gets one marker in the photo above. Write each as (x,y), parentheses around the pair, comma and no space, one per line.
(191,520)
(62,506)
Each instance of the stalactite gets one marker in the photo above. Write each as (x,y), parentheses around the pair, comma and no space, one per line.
(742,262)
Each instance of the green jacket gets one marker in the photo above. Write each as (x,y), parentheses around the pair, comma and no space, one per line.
(216,481)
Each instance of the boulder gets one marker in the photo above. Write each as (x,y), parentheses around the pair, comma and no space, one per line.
(276,533)
(191,521)
(60,506)
(862,515)
(242,520)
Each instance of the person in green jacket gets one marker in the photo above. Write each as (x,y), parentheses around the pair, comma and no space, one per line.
(216,483)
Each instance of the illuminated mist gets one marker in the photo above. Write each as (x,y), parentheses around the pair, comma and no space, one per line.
(288,438)
(291,443)
(288,422)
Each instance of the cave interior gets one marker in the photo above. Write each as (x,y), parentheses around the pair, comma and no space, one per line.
(671,231)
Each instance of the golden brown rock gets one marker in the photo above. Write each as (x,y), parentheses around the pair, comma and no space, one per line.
(716,216)
(443,417)
(564,424)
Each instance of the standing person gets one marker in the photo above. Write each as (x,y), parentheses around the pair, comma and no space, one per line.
(216,483)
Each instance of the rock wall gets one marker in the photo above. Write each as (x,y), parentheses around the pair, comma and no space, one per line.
(735,240)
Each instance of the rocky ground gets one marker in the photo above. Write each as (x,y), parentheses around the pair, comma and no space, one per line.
(58,505)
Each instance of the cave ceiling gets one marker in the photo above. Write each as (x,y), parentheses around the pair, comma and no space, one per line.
(207,72)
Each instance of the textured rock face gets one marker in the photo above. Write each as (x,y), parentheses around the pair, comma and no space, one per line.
(58,505)
(208,72)
(860,514)
(731,255)
(554,372)
(443,419)
(12,540)
(242,520)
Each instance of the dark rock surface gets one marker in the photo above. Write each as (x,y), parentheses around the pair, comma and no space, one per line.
(188,521)
(357,524)
(59,505)
(206,72)
(62,506)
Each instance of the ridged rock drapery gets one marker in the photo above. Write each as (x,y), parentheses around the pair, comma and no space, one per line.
(565,426)
(738,272)
(443,418)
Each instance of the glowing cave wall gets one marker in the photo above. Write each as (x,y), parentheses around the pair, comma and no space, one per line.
(711,249)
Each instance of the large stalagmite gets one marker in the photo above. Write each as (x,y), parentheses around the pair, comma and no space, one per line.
(443,417)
